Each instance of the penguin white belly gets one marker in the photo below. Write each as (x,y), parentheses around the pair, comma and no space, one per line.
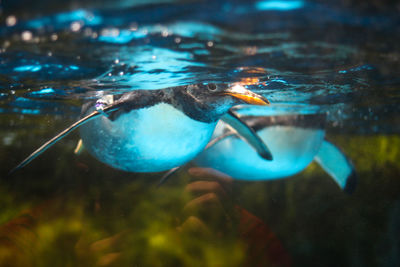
(293,148)
(151,139)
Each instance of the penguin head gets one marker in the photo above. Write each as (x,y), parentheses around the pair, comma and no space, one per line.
(214,100)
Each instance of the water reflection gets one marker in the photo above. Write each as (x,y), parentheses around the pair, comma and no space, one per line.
(279,5)
(149,67)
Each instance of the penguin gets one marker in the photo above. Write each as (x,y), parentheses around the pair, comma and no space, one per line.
(156,130)
(295,140)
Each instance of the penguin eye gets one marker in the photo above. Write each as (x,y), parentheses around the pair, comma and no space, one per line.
(211,86)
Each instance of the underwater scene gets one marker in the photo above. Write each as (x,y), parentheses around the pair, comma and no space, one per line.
(199,133)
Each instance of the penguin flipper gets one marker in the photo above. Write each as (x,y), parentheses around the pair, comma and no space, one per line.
(338,166)
(55,139)
(247,134)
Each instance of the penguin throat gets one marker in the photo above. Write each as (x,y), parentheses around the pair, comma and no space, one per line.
(198,109)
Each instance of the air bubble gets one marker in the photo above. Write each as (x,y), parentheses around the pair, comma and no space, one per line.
(133,27)
(26,36)
(75,26)
(11,21)
(54,37)
(164,33)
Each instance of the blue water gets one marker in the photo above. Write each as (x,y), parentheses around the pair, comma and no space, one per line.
(301,52)
(337,58)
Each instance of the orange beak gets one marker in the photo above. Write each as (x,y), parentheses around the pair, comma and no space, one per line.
(246,96)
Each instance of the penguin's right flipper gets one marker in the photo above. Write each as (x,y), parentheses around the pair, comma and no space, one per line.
(338,166)
(247,134)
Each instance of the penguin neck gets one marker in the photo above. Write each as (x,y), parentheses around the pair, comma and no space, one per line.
(136,100)
(196,109)
(143,98)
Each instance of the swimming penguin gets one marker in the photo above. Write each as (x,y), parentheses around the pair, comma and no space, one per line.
(295,140)
(156,130)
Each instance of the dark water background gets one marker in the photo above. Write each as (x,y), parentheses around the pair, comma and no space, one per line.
(341,56)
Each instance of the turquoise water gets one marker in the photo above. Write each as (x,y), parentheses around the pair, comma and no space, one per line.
(339,59)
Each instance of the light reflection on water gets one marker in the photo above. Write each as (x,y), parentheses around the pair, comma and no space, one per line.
(306,57)
(279,5)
